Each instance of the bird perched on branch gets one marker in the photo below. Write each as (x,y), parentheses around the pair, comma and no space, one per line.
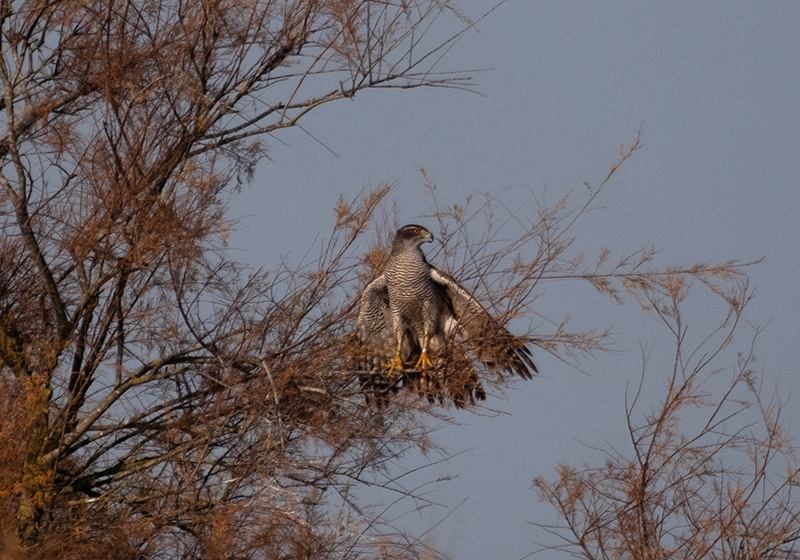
(416,315)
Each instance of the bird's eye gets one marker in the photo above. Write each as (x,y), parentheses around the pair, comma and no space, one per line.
(416,231)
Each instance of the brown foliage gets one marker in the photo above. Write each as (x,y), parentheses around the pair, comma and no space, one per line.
(710,472)
(159,399)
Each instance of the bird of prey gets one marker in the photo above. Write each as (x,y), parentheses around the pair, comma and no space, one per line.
(414,315)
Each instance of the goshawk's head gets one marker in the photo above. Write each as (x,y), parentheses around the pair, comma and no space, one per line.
(411,236)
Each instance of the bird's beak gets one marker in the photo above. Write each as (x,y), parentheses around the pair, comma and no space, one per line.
(428,237)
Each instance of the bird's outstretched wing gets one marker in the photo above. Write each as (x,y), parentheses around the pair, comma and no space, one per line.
(376,344)
(374,323)
(492,343)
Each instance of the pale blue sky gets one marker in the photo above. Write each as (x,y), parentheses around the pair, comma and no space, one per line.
(716,89)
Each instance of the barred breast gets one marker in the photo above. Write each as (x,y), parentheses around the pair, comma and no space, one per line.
(411,290)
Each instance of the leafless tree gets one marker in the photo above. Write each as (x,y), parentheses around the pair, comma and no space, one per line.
(158,398)
(710,471)
(153,388)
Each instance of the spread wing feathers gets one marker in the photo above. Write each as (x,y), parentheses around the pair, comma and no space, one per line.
(492,343)
(453,374)
(374,324)
(376,344)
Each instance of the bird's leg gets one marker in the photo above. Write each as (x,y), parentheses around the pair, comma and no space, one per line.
(424,363)
(397,362)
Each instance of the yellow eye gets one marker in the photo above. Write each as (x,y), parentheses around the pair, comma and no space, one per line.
(416,231)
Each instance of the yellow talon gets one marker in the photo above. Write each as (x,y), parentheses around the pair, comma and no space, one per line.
(424,363)
(397,363)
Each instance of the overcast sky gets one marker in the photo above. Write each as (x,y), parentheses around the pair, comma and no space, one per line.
(715,88)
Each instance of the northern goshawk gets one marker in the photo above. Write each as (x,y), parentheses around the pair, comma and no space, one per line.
(416,314)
